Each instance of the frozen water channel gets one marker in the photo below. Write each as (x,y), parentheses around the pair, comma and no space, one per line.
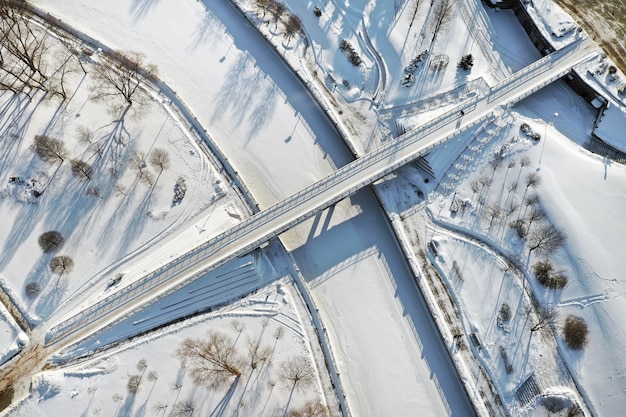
(356,272)
(278,139)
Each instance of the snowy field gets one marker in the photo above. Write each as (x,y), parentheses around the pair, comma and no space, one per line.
(376,329)
(265,330)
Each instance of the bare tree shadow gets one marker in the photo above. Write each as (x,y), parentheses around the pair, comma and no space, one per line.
(140,8)
(222,405)
(48,302)
(205,31)
(139,220)
(127,406)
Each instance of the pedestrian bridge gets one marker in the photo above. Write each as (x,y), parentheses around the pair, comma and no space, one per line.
(271,222)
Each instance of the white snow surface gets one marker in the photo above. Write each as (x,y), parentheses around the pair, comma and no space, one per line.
(279,143)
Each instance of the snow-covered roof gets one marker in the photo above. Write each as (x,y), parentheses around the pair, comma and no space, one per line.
(611,127)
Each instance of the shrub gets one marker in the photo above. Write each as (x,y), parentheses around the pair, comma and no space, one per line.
(61,264)
(575,332)
(466,63)
(317,12)
(505,313)
(520,228)
(554,404)
(544,271)
(32,289)
(51,241)
(508,367)
(349,51)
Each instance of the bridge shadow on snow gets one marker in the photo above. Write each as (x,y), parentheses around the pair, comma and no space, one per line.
(331,250)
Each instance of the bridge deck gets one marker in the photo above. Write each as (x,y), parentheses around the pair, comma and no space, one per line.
(280,217)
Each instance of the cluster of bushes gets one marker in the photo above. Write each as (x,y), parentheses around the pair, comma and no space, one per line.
(548,277)
(575,332)
(279,12)
(352,55)
(409,70)
(508,367)
(467,62)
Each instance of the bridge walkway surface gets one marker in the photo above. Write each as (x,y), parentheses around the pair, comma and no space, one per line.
(271,222)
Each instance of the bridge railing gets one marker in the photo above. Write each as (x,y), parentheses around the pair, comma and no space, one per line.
(211,246)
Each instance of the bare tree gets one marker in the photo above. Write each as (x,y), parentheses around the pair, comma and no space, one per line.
(496,162)
(153,376)
(212,362)
(512,208)
(61,264)
(524,162)
(311,408)
(146,177)
(276,9)
(50,149)
(120,190)
(142,365)
(31,59)
(264,5)
(160,159)
(484,182)
(82,169)
(547,239)
(475,186)
(117,398)
(278,333)
(293,26)
(443,13)
(512,187)
(133,384)
(138,161)
(23,47)
(536,214)
(414,8)
(51,241)
(121,83)
(65,63)
(511,164)
(85,135)
(532,200)
(257,353)
(160,407)
(238,326)
(546,316)
(533,180)
(184,408)
(493,213)
(298,371)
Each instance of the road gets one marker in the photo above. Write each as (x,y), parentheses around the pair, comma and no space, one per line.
(278,218)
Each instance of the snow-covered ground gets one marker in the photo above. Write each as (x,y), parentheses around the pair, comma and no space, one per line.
(475,249)
(11,336)
(109,217)
(274,320)
(390,356)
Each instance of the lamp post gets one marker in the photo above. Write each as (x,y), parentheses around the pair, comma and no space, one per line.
(545,135)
